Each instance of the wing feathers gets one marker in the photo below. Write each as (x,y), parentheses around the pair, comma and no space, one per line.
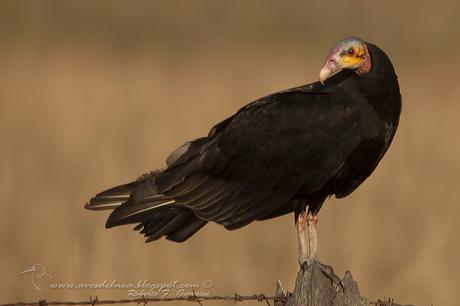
(249,167)
(185,232)
(111,198)
(176,223)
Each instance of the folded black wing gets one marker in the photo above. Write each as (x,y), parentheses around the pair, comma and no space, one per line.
(257,160)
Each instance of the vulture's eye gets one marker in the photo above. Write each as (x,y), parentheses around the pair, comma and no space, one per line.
(351,51)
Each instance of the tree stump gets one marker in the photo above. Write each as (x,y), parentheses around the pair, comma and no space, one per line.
(317,285)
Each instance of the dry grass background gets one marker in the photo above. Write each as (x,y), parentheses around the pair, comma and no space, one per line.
(93,94)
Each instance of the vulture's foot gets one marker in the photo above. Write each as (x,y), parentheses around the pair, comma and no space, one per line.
(329,273)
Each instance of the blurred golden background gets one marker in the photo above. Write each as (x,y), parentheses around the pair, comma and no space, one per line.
(95,93)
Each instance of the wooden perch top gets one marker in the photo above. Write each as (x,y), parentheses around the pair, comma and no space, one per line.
(317,285)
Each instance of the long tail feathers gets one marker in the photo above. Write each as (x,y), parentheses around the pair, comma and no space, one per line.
(111,198)
(139,202)
(129,213)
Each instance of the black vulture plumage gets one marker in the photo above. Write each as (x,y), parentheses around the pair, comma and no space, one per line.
(286,152)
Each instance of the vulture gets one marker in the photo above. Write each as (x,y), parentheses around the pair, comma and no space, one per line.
(284,153)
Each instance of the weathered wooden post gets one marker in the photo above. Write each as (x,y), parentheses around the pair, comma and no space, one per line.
(315,287)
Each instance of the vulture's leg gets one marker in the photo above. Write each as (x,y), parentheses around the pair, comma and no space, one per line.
(308,245)
(308,240)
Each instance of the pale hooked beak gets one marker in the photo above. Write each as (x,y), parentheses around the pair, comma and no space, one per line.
(330,68)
